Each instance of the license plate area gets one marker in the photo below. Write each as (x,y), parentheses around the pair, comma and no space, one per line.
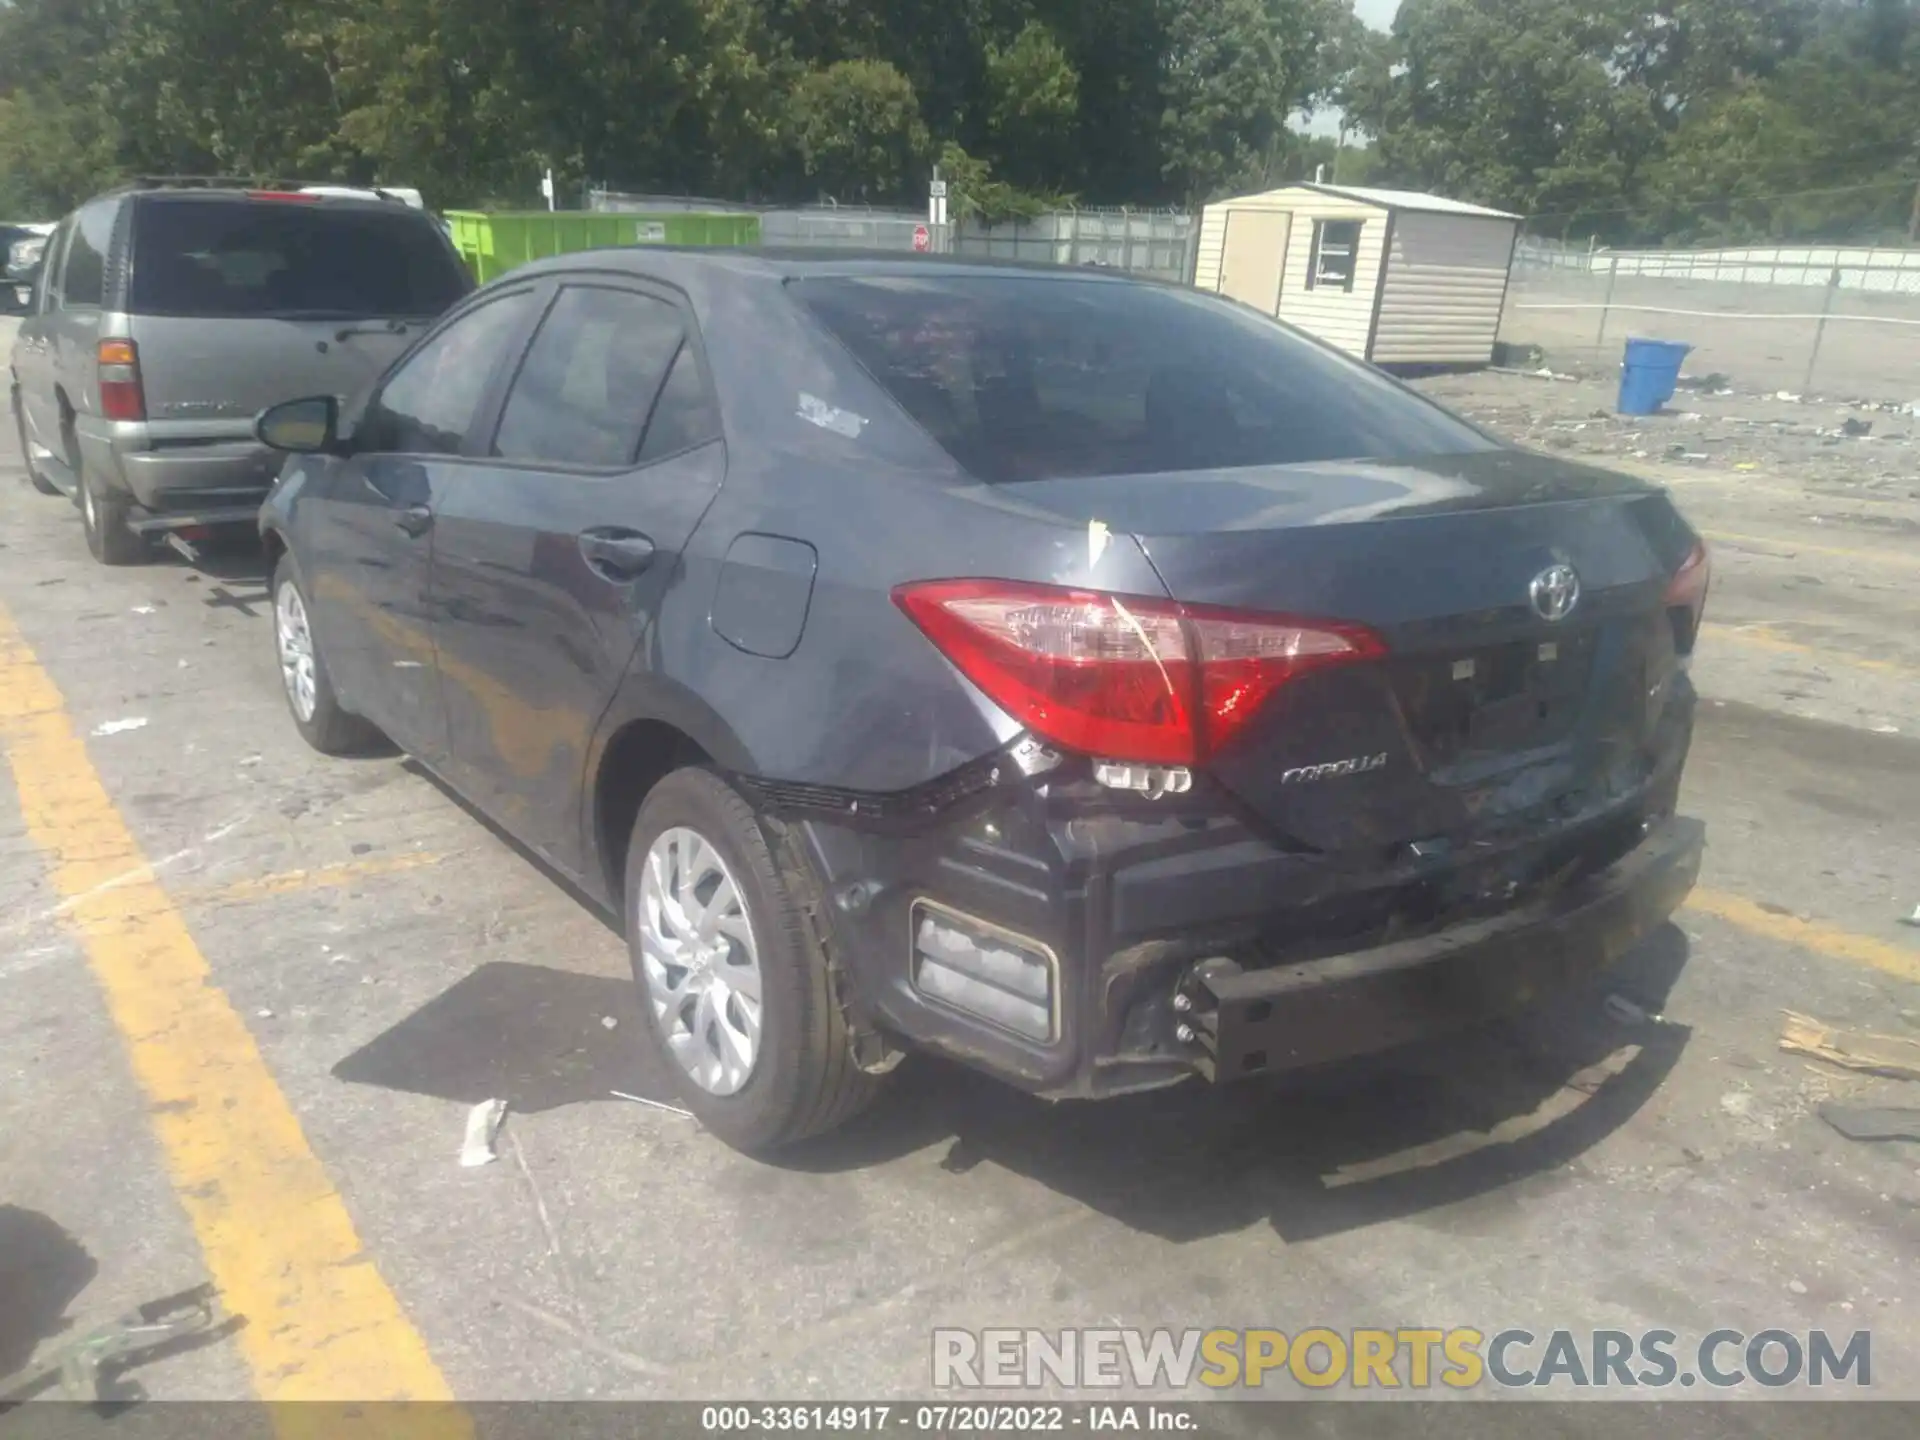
(1514,696)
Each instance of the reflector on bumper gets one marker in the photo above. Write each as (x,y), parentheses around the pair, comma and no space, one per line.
(989,973)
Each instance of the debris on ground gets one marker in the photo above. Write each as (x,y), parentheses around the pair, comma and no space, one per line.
(1856,427)
(1873,1122)
(1888,1055)
(88,1367)
(483,1124)
(607,1022)
(1913,919)
(120,727)
(652,1104)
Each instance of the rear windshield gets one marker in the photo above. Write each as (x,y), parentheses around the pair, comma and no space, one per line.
(289,259)
(1034,378)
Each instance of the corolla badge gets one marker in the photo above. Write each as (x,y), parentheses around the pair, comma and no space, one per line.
(1554,592)
(1334,769)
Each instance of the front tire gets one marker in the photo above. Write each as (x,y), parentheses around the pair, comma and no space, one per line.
(740,1007)
(103,515)
(316,710)
(34,477)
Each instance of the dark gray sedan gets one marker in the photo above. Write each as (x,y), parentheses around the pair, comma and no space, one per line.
(1087,679)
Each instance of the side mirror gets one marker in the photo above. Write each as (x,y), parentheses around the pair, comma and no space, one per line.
(301,427)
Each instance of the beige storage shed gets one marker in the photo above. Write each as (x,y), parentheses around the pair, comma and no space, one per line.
(1392,276)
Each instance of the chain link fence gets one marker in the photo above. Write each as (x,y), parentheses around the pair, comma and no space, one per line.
(1835,320)
(1158,243)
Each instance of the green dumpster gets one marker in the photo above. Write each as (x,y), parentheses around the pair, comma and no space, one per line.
(493,243)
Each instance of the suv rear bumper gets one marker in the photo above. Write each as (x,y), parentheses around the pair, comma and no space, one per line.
(218,475)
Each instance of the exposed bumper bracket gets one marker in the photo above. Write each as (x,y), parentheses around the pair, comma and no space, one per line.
(1247,1022)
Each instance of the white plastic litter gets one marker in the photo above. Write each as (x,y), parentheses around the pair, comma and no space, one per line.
(143,609)
(607,1022)
(120,727)
(483,1123)
(1913,919)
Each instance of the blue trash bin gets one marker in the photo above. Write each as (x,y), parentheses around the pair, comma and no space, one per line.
(1650,375)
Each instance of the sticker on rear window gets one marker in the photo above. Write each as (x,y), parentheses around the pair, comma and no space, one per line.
(816,411)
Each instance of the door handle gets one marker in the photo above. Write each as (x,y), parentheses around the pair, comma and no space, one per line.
(416,520)
(616,555)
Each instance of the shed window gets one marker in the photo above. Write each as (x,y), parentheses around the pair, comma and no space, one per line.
(1336,254)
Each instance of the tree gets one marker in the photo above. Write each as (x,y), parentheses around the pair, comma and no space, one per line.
(1514,103)
(1033,99)
(857,128)
(1234,70)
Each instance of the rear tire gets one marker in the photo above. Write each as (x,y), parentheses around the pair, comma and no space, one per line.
(801,1079)
(34,477)
(103,515)
(316,710)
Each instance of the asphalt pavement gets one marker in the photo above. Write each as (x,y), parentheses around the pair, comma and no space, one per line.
(248,996)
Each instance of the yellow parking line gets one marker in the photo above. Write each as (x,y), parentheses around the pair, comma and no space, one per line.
(321,1322)
(324,877)
(1762,637)
(1883,955)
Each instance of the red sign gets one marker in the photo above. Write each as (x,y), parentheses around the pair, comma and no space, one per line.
(922,240)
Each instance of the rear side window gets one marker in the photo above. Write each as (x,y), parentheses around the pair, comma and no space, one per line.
(222,257)
(590,379)
(685,414)
(85,279)
(1032,378)
(428,404)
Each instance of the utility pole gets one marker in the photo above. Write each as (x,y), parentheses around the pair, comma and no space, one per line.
(1913,221)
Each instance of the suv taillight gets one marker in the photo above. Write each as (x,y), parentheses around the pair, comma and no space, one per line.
(1123,677)
(121,397)
(1686,597)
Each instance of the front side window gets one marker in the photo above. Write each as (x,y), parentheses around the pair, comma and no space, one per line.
(1336,255)
(52,262)
(590,379)
(427,405)
(1034,378)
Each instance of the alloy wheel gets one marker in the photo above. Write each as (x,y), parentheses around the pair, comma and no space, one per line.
(296,650)
(701,963)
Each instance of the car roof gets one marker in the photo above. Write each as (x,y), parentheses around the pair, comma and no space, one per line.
(796,262)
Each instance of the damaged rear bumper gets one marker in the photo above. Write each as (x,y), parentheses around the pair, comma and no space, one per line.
(1250,1022)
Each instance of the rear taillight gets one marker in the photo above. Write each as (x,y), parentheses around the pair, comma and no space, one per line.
(1120,676)
(1686,597)
(120,395)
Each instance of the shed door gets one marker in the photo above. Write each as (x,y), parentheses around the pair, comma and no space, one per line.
(1255,257)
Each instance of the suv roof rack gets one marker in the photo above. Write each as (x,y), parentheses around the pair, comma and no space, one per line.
(240,182)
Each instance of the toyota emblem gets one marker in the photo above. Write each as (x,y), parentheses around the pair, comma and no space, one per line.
(1554,592)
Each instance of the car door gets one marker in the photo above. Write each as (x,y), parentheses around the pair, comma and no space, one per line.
(367,530)
(551,557)
(33,351)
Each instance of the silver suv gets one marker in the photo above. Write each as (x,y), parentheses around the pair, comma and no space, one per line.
(166,316)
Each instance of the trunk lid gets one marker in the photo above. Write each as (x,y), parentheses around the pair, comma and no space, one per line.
(229,368)
(1486,720)
(239,301)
